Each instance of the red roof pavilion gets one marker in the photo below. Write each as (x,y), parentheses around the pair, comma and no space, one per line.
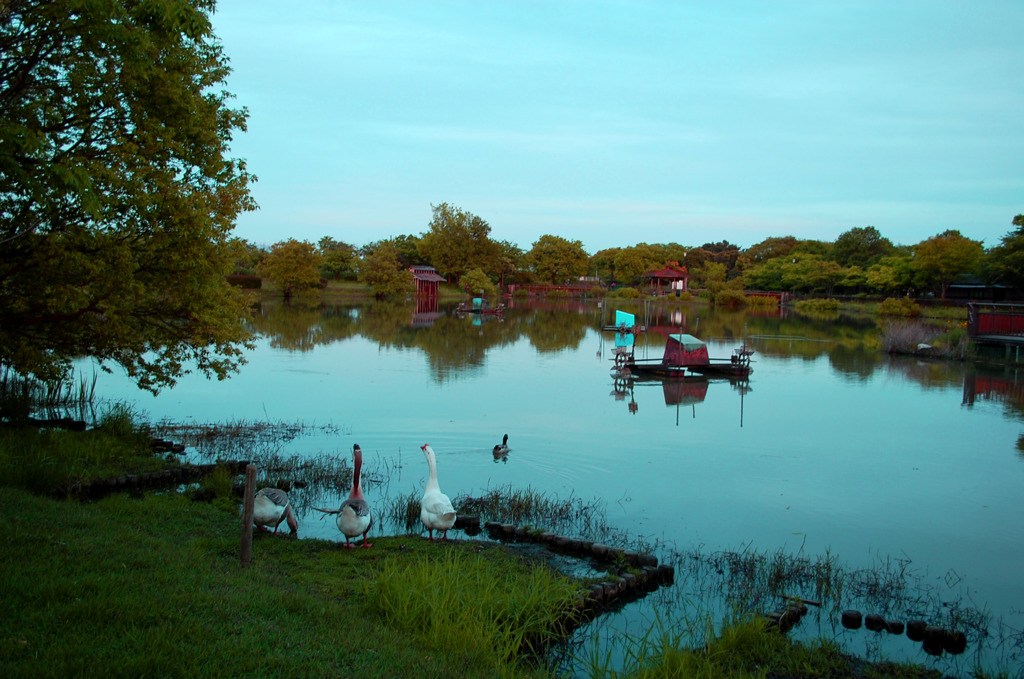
(676,276)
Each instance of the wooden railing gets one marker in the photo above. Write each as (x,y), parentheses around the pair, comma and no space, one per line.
(995,319)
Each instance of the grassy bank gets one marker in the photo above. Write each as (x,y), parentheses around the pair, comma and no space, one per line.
(152,585)
(129,587)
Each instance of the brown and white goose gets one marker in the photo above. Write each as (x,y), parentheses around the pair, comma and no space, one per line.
(354,517)
(271,506)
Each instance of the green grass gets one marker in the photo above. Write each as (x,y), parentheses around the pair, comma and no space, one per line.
(460,603)
(43,460)
(153,586)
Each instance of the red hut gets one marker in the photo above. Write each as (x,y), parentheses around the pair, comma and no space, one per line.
(427,280)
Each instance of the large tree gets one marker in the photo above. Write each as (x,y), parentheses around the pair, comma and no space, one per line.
(384,271)
(1006,260)
(940,259)
(294,266)
(557,260)
(459,241)
(337,257)
(117,194)
(861,246)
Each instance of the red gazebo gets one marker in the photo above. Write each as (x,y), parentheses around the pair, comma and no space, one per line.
(427,280)
(675,276)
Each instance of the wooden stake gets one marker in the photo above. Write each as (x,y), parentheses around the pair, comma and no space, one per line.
(247,512)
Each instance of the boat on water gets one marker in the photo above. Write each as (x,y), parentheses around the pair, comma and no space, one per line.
(479,306)
(687,357)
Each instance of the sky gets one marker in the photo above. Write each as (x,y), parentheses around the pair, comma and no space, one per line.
(623,122)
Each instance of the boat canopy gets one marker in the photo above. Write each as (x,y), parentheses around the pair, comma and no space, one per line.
(689,342)
(624,320)
(685,350)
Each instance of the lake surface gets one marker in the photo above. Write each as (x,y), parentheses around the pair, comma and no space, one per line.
(833,448)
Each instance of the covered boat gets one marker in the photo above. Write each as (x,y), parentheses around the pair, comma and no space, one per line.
(685,355)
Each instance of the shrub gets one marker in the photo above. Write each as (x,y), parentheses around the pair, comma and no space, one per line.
(765,301)
(476,282)
(625,293)
(899,307)
(730,298)
(245,281)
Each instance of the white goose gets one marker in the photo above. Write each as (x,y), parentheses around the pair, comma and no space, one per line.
(353,517)
(270,507)
(436,510)
(501,450)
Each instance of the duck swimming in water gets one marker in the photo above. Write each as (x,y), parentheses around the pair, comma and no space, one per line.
(501,449)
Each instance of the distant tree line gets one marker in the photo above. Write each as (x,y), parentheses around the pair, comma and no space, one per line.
(119,195)
(458,245)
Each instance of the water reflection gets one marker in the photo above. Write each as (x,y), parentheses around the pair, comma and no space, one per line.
(831,441)
(680,395)
(457,343)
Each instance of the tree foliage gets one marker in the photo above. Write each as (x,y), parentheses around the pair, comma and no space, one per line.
(117,195)
(941,258)
(458,241)
(476,282)
(1007,258)
(557,260)
(294,266)
(337,258)
(383,271)
(861,246)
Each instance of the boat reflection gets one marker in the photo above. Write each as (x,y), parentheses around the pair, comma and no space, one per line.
(676,392)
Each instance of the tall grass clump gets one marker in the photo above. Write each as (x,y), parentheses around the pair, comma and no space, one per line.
(22,397)
(744,647)
(458,603)
(527,506)
(907,337)
(763,301)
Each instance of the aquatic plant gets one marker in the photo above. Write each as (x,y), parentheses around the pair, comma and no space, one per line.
(22,397)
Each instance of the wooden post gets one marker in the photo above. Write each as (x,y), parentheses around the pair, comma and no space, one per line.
(247,512)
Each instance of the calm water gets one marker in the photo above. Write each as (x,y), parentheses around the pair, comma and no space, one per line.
(833,448)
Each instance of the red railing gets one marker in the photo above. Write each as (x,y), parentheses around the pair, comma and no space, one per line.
(995,319)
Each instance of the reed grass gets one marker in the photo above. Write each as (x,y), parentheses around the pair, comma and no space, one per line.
(22,397)
(530,507)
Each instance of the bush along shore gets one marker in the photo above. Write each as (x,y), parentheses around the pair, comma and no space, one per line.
(149,582)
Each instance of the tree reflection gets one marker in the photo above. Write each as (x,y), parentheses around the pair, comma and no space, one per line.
(301,325)
(454,345)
